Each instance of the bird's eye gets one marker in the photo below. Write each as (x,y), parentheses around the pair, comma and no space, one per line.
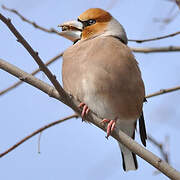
(91,21)
(88,22)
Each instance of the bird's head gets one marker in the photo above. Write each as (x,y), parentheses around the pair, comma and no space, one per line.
(92,23)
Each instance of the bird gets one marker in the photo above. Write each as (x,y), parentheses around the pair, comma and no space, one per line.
(100,71)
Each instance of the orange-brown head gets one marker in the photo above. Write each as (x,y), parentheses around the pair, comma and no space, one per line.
(92,23)
(95,22)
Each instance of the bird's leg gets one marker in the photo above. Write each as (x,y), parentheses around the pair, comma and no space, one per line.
(85,109)
(110,126)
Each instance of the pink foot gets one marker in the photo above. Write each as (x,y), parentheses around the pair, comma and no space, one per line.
(85,109)
(110,126)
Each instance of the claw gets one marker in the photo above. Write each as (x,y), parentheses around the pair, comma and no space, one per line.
(85,109)
(105,121)
(110,126)
(81,104)
(113,125)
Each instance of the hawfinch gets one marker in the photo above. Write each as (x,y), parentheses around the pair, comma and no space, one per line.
(100,71)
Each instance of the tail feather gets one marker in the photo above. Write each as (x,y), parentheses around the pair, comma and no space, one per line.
(142,129)
(129,160)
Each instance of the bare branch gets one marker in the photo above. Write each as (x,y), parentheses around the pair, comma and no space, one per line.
(175,1)
(49,89)
(46,88)
(155,49)
(36,132)
(39,141)
(56,32)
(33,73)
(163,91)
(52,30)
(178,3)
(135,49)
(156,38)
(119,136)
(36,57)
(91,117)
(160,146)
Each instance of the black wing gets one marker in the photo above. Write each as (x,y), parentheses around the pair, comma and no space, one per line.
(142,129)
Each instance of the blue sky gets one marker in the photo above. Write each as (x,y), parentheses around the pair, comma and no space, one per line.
(76,150)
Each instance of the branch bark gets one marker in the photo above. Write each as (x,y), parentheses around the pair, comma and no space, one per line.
(36,132)
(154,39)
(91,117)
(36,57)
(155,49)
(33,73)
(135,49)
(161,148)
(119,136)
(163,91)
(52,30)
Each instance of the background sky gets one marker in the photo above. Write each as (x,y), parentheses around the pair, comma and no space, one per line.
(76,150)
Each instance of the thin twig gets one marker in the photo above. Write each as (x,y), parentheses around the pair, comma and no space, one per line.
(91,117)
(33,73)
(39,142)
(163,91)
(138,50)
(160,146)
(52,30)
(46,88)
(135,49)
(36,57)
(175,1)
(56,32)
(155,49)
(162,149)
(156,38)
(30,79)
(169,17)
(36,132)
(178,3)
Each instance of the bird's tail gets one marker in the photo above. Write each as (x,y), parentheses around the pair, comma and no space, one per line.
(128,158)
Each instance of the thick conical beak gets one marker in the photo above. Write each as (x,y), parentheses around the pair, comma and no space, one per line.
(71,30)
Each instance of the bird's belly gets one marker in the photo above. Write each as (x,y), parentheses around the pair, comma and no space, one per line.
(100,106)
(105,97)
(99,98)
(90,90)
